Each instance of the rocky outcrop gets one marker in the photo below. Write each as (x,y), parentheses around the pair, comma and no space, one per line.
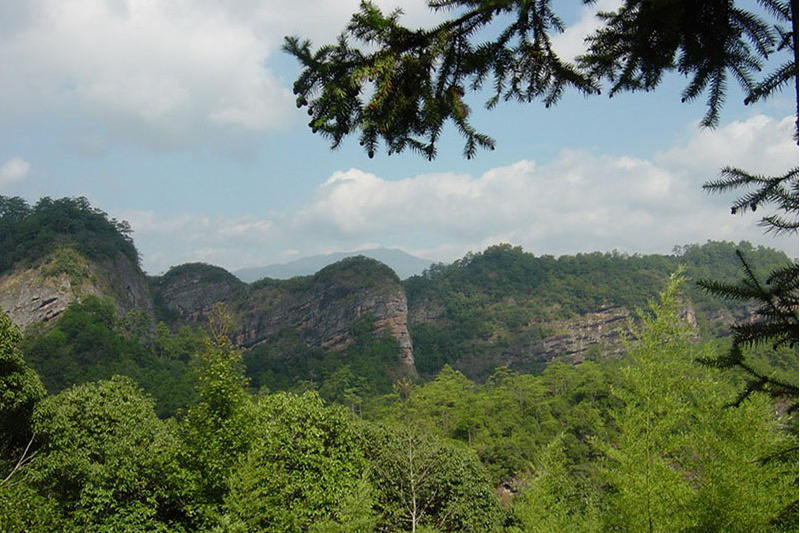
(41,292)
(576,338)
(190,291)
(322,308)
(29,297)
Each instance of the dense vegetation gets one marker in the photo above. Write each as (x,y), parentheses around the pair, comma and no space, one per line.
(365,368)
(90,342)
(639,444)
(487,301)
(128,424)
(30,233)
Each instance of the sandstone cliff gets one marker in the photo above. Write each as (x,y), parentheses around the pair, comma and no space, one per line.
(322,308)
(42,291)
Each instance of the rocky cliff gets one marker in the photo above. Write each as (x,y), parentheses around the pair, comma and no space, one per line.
(42,291)
(475,322)
(596,332)
(321,308)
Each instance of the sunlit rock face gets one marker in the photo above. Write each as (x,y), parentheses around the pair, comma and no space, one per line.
(41,292)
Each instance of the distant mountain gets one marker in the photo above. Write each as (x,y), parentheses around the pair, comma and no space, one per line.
(405,265)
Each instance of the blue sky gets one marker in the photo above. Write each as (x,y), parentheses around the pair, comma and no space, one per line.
(177,115)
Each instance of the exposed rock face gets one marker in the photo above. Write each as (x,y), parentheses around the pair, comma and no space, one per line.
(192,290)
(42,292)
(322,308)
(575,338)
(29,297)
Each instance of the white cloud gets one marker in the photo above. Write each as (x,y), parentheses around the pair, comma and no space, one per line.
(161,73)
(759,144)
(579,202)
(230,242)
(13,170)
(570,44)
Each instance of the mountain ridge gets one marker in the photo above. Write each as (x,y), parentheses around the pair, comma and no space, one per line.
(404,264)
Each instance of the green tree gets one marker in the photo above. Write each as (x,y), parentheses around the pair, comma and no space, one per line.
(90,342)
(107,460)
(652,493)
(304,471)
(218,430)
(679,462)
(20,389)
(21,507)
(31,233)
(425,482)
(555,500)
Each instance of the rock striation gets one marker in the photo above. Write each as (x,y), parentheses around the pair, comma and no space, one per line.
(321,308)
(577,338)
(41,292)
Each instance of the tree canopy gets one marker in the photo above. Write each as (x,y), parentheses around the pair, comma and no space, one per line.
(30,233)
(391,84)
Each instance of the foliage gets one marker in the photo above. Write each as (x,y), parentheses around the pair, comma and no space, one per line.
(422,481)
(357,268)
(781,191)
(595,446)
(32,232)
(201,271)
(708,42)
(400,86)
(22,509)
(679,462)
(90,342)
(776,298)
(218,430)
(503,297)
(555,500)
(511,417)
(652,492)
(20,389)
(67,261)
(776,324)
(304,471)
(364,368)
(107,459)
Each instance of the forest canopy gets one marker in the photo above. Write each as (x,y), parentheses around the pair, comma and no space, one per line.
(30,233)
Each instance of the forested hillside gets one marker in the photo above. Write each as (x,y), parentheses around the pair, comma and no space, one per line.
(294,405)
(501,306)
(32,232)
(350,330)
(607,446)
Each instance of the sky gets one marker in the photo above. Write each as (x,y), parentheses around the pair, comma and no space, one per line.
(177,116)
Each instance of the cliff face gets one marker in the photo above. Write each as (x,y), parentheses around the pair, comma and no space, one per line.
(321,308)
(190,291)
(323,311)
(577,338)
(597,333)
(41,292)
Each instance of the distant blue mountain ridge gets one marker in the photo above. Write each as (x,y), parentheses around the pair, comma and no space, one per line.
(404,264)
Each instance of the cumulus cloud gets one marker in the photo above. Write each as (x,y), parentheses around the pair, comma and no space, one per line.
(13,170)
(579,202)
(759,144)
(160,73)
(163,72)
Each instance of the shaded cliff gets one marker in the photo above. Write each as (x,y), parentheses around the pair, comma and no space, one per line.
(321,309)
